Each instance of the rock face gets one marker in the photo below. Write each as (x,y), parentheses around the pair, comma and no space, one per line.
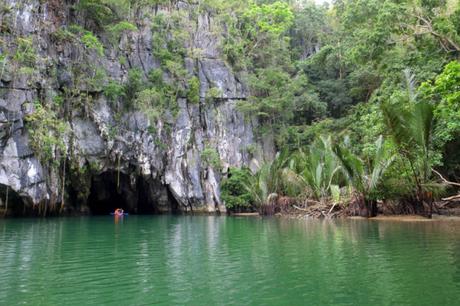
(117,158)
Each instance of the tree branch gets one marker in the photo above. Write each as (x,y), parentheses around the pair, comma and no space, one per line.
(443,39)
(452,198)
(444,180)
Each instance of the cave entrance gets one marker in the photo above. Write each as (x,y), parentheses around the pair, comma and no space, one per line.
(11,203)
(112,190)
(145,203)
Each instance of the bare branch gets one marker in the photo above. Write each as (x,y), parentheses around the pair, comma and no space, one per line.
(444,180)
(452,198)
(299,208)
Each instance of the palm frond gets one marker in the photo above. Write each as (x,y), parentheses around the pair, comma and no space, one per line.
(381,161)
(399,123)
(409,78)
(424,113)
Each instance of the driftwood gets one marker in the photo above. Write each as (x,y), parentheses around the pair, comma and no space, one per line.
(321,210)
(297,207)
(452,198)
(332,208)
(441,205)
(444,180)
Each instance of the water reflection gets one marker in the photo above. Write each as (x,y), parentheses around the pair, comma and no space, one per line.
(219,260)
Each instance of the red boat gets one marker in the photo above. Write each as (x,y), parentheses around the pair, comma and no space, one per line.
(119,212)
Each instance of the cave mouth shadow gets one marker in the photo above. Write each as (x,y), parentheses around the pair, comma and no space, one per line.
(111,190)
(12,199)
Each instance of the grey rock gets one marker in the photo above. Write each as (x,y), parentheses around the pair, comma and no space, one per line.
(87,138)
(149,161)
(64,77)
(215,73)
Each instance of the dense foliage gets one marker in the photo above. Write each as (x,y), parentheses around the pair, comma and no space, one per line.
(234,192)
(381,76)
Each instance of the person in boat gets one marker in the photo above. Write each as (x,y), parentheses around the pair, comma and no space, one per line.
(119,212)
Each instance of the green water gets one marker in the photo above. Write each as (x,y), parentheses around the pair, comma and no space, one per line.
(194,260)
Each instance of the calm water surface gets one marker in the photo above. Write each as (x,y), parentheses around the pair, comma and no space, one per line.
(145,260)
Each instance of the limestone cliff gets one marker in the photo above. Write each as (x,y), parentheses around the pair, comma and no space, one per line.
(115,155)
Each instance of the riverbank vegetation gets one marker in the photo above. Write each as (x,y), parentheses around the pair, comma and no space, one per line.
(363,98)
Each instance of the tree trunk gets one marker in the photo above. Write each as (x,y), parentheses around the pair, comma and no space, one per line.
(431,210)
(428,198)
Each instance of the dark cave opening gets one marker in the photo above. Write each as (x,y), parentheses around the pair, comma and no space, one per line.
(154,198)
(135,195)
(108,192)
(11,203)
(145,205)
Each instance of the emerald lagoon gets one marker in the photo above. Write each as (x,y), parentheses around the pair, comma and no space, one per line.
(212,260)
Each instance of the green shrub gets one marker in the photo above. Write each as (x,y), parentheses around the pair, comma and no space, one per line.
(251,149)
(210,158)
(122,26)
(92,42)
(114,90)
(58,100)
(96,82)
(87,38)
(151,102)
(152,130)
(25,52)
(193,93)
(100,12)
(63,35)
(135,83)
(46,134)
(212,94)
(156,77)
(117,29)
(234,192)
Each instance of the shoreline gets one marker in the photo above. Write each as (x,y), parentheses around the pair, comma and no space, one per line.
(415,218)
(385,218)
(315,214)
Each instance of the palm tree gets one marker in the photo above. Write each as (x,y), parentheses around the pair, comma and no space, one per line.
(314,171)
(364,178)
(267,183)
(410,124)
